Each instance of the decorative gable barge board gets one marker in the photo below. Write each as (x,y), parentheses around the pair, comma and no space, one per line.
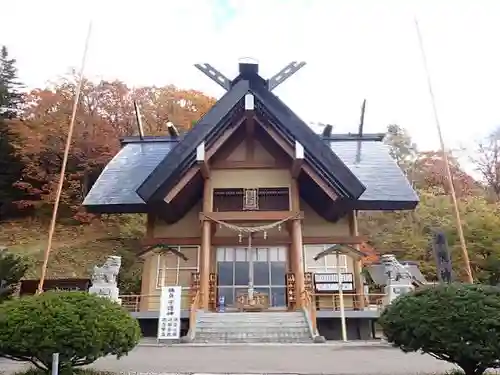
(324,160)
(183,155)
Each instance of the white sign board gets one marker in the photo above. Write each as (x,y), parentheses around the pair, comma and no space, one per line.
(169,322)
(332,277)
(331,287)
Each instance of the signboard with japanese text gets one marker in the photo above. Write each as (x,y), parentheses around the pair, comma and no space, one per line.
(169,322)
(329,282)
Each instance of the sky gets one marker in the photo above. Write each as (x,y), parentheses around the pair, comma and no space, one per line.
(354,50)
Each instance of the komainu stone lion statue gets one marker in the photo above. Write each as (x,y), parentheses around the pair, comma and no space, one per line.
(108,272)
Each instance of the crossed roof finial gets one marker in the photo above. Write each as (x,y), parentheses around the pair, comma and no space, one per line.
(273,82)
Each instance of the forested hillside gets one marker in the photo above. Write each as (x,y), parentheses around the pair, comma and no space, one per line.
(33,130)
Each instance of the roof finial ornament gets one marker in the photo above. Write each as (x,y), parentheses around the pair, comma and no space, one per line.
(284,74)
(360,131)
(248,60)
(214,75)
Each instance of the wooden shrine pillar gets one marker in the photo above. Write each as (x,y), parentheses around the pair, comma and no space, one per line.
(297,247)
(298,264)
(206,244)
(358,264)
(148,267)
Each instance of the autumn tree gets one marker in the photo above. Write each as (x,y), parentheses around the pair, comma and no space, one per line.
(408,235)
(104,115)
(487,162)
(401,147)
(430,173)
(10,102)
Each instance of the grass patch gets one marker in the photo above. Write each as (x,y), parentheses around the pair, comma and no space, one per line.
(75,248)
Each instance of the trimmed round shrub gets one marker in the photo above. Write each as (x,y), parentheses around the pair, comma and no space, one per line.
(79,326)
(456,323)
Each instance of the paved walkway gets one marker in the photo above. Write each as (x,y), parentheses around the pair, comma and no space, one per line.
(266,359)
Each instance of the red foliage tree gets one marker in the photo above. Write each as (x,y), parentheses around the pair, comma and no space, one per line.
(104,115)
(429,172)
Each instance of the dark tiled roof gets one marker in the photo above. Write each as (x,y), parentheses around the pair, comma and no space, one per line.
(377,170)
(331,167)
(385,183)
(183,155)
(119,181)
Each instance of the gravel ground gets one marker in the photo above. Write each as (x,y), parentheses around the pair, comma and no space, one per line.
(265,359)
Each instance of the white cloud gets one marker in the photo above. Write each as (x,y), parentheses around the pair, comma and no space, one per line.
(354,50)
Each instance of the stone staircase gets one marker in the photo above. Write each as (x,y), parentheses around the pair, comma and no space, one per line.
(252,327)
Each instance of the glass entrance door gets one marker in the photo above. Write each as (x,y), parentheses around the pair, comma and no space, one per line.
(268,270)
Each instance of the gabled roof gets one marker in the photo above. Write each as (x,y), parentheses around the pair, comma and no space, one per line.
(115,190)
(286,123)
(183,155)
(330,166)
(359,169)
(384,180)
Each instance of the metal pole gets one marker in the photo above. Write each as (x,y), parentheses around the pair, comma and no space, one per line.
(55,363)
(458,220)
(341,296)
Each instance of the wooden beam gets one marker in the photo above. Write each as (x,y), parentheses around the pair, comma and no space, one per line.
(223,138)
(250,138)
(201,166)
(358,267)
(202,161)
(229,164)
(298,160)
(182,183)
(250,126)
(319,181)
(257,241)
(291,152)
(250,215)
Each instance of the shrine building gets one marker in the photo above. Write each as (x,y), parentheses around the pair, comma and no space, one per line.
(241,208)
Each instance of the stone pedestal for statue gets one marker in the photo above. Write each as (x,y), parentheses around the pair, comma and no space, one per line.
(104,279)
(399,278)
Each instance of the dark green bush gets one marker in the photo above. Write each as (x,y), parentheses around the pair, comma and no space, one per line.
(456,323)
(12,270)
(79,326)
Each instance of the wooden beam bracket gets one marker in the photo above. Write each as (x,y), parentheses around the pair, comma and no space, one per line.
(202,161)
(244,216)
(298,160)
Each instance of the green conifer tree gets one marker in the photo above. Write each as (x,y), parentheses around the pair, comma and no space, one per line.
(10,105)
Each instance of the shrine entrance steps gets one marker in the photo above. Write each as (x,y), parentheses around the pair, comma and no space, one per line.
(252,327)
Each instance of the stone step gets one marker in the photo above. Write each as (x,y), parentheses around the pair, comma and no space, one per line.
(247,318)
(251,324)
(212,319)
(249,314)
(257,327)
(253,341)
(230,338)
(232,334)
(224,319)
(258,330)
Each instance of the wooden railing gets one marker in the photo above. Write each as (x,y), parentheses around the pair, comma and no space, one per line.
(151,302)
(331,301)
(312,301)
